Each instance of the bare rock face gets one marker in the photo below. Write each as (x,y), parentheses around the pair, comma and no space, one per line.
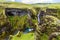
(16,12)
(52,10)
(48,24)
(54,35)
(5,27)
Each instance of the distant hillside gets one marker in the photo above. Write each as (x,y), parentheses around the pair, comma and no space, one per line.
(14,5)
(2,0)
(22,5)
(47,5)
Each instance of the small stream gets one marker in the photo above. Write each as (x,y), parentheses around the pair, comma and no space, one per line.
(27,30)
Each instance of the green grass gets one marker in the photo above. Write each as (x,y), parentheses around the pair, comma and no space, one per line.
(44,37)
(2,0)
(28,36)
